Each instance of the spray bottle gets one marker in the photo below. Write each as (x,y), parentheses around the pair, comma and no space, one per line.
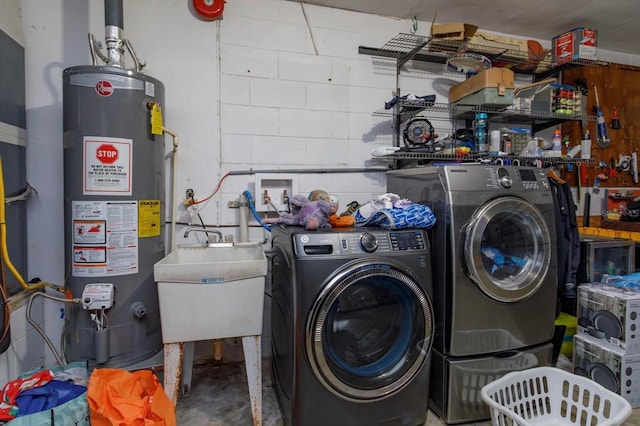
(480,132)
(601,125)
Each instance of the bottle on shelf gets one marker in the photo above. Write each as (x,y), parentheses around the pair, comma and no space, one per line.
(556,140)
(480,132)
(586,145)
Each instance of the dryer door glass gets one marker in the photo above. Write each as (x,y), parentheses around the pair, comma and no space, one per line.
(508,249)
(369,332)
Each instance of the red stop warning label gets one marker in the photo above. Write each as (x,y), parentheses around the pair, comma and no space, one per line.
(107,153)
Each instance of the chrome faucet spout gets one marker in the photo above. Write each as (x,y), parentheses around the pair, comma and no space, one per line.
(206,231)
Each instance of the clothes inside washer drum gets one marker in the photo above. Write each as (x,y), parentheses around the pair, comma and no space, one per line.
(607,323)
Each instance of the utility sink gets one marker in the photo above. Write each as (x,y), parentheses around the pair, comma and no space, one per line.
(218,262)
(211,292)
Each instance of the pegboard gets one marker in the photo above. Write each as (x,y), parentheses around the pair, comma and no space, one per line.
(618,86)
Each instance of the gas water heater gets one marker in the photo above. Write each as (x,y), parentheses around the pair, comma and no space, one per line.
(114,189)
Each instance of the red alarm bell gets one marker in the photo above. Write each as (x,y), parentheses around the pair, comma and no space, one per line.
(209,9)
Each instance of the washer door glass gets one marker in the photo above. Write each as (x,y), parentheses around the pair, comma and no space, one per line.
(369,332)
(508,249)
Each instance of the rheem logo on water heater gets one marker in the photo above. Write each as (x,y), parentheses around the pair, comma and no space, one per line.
(107,153)
(104,88)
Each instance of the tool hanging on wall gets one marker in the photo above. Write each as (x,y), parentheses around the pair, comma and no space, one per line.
(612,168)
(615,120)
(602,136)
(579,181)
(587,210)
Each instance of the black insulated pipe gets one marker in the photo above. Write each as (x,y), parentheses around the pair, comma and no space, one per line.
(113,13)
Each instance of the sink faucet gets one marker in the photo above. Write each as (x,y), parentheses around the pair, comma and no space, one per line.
(207,231)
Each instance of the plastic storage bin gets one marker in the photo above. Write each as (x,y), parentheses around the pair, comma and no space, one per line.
(551,396)
(571,324)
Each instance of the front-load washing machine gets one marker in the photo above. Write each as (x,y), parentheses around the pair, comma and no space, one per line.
(352,325)
(494,276)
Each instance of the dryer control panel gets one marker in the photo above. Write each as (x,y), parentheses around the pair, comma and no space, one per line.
(487,177)
(517,178)
(360,242)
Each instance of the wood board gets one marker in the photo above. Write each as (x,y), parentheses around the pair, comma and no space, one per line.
(618,86)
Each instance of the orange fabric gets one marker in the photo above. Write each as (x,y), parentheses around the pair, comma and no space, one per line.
(118,398)
(341,221)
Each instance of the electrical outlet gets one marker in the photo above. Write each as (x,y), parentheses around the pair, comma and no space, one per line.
(189,197)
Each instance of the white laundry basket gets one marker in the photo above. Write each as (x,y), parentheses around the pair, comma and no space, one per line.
(551,396)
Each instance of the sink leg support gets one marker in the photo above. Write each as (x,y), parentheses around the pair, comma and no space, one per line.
(251,346)
(173,357)
(187,366)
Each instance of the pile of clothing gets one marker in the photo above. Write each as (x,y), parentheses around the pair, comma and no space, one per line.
(389,211)
(42,390)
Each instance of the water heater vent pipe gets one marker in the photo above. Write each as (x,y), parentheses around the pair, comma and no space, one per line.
(114,39)
(114,26)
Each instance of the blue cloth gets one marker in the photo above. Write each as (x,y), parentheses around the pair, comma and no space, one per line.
(47,397)
(626,281)
(413,216)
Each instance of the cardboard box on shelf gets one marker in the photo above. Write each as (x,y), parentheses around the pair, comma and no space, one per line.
(453,31)
(579,43)
(610,313)
(609,366)
(492,87)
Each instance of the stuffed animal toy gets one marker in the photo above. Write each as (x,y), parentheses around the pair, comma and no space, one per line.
(310,214)
(319,194)
(339,221)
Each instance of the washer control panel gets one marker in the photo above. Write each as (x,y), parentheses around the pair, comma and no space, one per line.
(360,241)
(384,241)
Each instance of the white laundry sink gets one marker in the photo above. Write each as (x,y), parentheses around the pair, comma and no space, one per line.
(211,292)
(216,263)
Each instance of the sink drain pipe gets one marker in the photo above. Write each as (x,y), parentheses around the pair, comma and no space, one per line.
(244,218)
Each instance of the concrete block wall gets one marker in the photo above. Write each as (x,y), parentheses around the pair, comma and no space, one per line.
(296,96)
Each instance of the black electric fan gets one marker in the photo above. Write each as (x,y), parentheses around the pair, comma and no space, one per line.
(419,133)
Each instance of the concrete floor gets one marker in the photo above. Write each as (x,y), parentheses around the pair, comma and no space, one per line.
(220,397)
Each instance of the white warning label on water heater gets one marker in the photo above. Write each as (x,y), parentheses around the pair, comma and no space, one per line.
(106,166)
(105,238)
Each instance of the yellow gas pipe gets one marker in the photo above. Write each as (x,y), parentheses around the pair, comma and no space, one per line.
(3,245)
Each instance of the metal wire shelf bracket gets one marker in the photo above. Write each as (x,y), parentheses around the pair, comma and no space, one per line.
(483,158)
(405,47)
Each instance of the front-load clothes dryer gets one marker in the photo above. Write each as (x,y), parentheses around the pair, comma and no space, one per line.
(494,275)
(352,325)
